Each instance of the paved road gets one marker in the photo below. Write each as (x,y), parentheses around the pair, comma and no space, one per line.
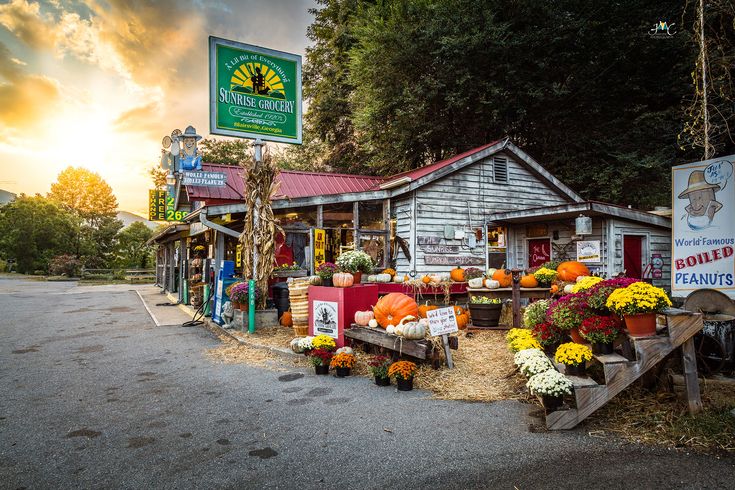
(93,395)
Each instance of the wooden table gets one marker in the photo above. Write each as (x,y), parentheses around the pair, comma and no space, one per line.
(420,349)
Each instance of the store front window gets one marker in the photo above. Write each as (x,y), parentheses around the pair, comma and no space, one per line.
(371,215)
(497,243)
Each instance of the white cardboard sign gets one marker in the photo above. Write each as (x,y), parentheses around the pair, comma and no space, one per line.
(442,321)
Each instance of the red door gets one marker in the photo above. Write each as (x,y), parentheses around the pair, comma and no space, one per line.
(539,251)
(632,256)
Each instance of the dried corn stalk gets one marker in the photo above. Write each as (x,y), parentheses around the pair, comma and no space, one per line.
(260,185)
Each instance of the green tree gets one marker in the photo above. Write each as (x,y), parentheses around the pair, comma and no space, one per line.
(131,250)
(90,197)
(224,152)
(35,229)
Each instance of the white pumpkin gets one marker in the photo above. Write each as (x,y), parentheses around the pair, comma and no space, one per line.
(372,278)
(475,283)
(344,350)
(568,289)
(490,272)
(492,284)
(390,329)
(446,276)
(383,278)
(399,330)
(435,278)
(373,323)
(295,346)
(581,278)
(414,330)
(398,278)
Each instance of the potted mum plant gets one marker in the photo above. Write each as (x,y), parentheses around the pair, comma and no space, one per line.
(325,272)
(638,304)
(601,331)
(573,356)
(342,363)
(485,312)
(519,339)
(597,295)
(403,372)
(567,313)
(378,366)
(240,295)
(549,336)
(355,262)
(320,358)
(545,276)
(550,386)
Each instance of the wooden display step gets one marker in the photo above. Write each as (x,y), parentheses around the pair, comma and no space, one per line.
(621,372)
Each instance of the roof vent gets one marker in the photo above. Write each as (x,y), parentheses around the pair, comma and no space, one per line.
(500,170)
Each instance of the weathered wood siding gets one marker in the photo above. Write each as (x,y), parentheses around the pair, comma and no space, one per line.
(462,199)
(657,240)
(401,212)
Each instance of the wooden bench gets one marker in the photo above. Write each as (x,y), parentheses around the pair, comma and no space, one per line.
(420,349)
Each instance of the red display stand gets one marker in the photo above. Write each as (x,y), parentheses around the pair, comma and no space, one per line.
(332,310)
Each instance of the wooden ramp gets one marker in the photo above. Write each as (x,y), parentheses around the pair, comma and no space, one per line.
(621,372)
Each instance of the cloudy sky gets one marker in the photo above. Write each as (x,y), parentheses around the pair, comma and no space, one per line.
(97,83)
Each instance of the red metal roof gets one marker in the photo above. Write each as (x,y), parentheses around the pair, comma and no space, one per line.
(308,184)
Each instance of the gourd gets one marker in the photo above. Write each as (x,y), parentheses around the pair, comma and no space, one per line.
(504,279)
(373,323)
(363,318)
(287,319)
(435,278)
(423,309)
(568,289)
(345,350)
(414,330)
(457,274)
(383,278)
(554,288)
(402,324)
(393,307)
(569,271)
(372,278)
(492,284)
(390,329)
(294,344)
(490,272)
(475,282)
(315,281)
(397,279)
(529,281)
(343,280)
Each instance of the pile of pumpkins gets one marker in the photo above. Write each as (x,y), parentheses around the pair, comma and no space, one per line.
(400,315)
(388,275)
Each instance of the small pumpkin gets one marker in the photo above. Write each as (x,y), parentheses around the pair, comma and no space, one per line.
(343,280)
(315,281)
(457,274)
(286,319)
(475,282)
(398,279)
(406,278)
(492,284)
(435,278)
(345,350)
(569,271)
(458,310)
(414,330)
(363,318)
(463,320)
(554,288)
(383,278)
(568,288)
(390,329)
(426,279)
(529,281)
(393,307)
(373,323)
(425,308)
(504,279)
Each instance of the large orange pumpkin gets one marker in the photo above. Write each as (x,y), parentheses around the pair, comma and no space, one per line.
(463,320)
(569,271)
(528,281)
(505,280)
(458,310)
(457,275)
(425,308)
(393,307)
(286,319)
(343,280)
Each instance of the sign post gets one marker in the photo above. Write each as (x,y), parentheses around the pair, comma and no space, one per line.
(442,322)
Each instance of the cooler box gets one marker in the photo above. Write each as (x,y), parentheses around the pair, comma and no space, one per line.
(332,310)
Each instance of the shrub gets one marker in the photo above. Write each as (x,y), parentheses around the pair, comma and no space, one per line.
(65,265)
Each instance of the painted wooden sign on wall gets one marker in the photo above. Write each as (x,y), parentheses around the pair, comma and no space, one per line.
(440,249)
(453,260)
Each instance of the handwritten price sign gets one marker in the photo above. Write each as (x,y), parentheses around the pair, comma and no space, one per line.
(442,321)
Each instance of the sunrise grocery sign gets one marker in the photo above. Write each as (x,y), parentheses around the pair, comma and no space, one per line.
(254,92)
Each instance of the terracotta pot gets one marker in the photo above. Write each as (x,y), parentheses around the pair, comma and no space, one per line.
(576,337)
(357,277)
(641,325)
(235,305)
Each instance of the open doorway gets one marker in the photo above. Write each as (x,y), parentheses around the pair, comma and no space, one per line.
(633,255)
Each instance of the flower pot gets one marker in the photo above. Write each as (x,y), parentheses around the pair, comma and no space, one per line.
(550,349)
(356,277)
(602,349)
(641,325)
(235,305)
(323,369)
(404,384)
(578,370)
(382,381)
(551,403)
(545,284)
(576,337)
(244,306)
(342,372)
(485,315)
(327,283)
